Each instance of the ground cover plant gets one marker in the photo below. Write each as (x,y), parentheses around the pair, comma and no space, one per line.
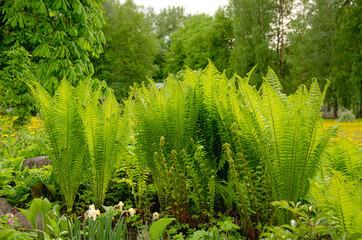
(215,157)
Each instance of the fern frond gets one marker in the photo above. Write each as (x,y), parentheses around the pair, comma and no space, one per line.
(347,207)
(344,157)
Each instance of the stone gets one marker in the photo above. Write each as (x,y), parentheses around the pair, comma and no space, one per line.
(25,224)
(36,161)
(5,207)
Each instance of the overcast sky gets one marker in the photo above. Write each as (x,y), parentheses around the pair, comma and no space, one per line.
(191,6)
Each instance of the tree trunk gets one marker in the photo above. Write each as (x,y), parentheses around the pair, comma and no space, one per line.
(281,9)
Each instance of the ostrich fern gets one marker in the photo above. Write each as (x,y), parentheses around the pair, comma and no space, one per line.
(273,135)
(167,142)
(64,127)
(343,200)
(344,157)
(85,132)
(102,123)
(272,142)
(338,186)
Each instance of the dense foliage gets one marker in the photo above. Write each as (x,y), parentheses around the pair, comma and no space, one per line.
(15,95)
(217,148)
(45,41)
(131,47)
(60,36)
(300,40)
(205,154)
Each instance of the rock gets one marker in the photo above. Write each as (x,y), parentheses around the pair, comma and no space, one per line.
(37,161)
(5,207)
(25,224)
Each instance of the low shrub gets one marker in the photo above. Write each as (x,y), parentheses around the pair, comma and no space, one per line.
(345,115)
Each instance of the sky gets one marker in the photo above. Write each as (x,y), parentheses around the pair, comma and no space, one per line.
(191,6)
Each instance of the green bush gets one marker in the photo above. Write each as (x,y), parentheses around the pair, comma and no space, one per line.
(345,115)
(14,93)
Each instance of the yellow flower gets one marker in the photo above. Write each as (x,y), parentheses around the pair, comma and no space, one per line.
(120,206)
(5,135)
(32,133)
(13,135)
(131,211)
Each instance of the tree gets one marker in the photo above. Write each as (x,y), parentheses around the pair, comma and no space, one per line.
(322,28)
(167,22)
(131,47)
(220,40)
(298,50)
(187,45)
(14,93)
(346,51)
(200,38)
(60,35)
(253,37)
(283,10)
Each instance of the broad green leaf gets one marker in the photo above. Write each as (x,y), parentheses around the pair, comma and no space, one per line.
(158,227)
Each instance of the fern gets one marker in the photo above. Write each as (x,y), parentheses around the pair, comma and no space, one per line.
(344,157)
(103,134)
(65,130)
(279,136)
(167,142)
(81,128)
(275,142)
(343,199)
(338,186)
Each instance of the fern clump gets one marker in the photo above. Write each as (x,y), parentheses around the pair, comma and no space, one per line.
(269,134)
(104,135)
(259,145)
(166,141)
(85,130)
(63,125)
(343,200)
